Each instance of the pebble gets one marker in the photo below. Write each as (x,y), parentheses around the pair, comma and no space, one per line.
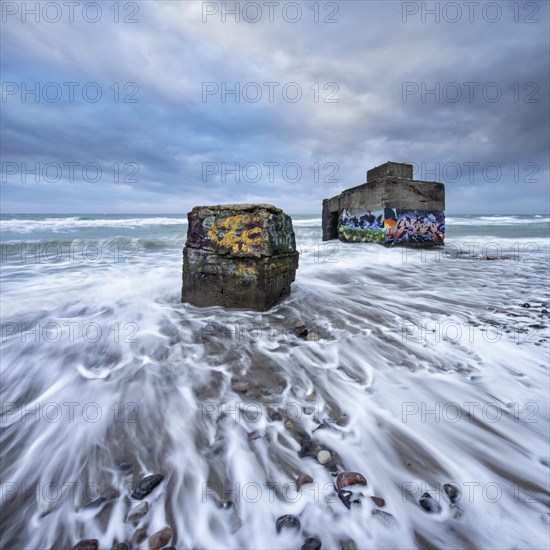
(303,479)
(311,543)
(160,539)
(308,448)
(120,546)
(138,537)
(429,504)
(136,513)
(146,485)
(350,478)
(526,305)
(348,545)
(241,386)
(301,331)
(324,457)
(379,501)
(125,467)
(452,491)
(287,520)
(348,498)
(86,544)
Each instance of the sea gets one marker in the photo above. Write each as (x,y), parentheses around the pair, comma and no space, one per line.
(426,371)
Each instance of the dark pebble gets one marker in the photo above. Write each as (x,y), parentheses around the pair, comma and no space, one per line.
(379,501)
(120,546)
(452,491)
(311,543)
(160,539)
(349,478)
(526,305)
(347,498)
(139,536)
(544,311)
(308,449)
(287,520)
(146,485)
(125,467)
(301,331)
(429,504)
(348,545)
(86,544)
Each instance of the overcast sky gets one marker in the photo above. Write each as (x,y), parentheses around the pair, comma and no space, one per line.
(167,134)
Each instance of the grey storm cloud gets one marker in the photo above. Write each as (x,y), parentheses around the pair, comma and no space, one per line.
(384,82)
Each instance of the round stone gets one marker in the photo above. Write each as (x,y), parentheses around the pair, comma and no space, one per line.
(324,457)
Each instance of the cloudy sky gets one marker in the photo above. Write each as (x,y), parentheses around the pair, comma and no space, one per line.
(158,106)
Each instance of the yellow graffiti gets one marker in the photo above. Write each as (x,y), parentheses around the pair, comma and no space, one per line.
(246,271)
(229,234)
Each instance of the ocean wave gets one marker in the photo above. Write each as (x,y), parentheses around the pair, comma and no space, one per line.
(495,220)
(310,222)
(76,223)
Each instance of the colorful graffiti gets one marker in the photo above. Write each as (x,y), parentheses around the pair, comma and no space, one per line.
(415,227)
(241,232)
(361,228)
(393,226)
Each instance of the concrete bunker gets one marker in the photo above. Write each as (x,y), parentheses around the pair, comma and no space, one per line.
(391,208)
(238,256)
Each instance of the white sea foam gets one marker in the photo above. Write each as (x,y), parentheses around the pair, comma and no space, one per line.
(75,223)
(495,220)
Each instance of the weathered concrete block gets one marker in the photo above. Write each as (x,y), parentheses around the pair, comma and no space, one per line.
(389,209)
(238,256)
(390,170)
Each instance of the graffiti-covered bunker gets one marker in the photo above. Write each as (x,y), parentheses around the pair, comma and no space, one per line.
(391,208)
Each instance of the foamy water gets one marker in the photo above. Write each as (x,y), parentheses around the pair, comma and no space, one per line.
(421,368)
